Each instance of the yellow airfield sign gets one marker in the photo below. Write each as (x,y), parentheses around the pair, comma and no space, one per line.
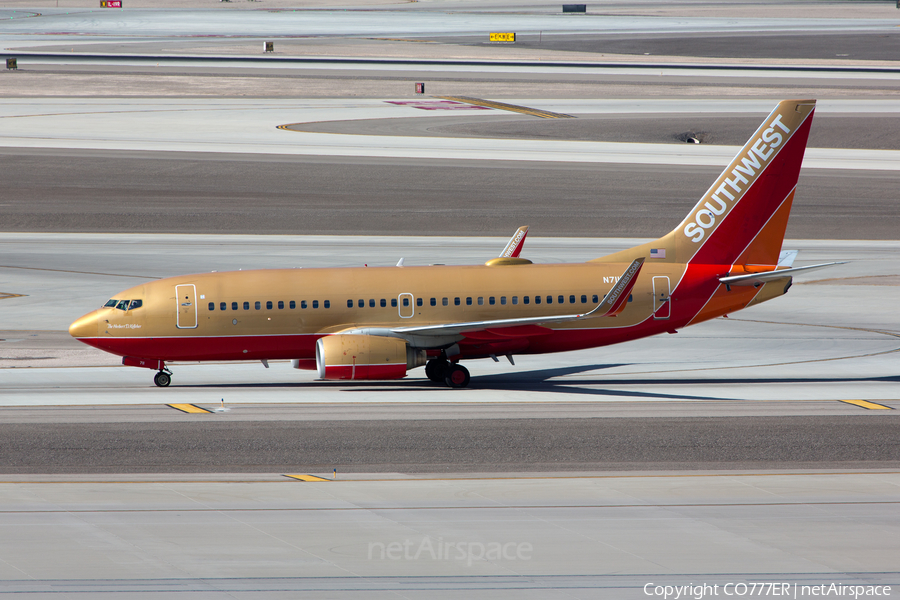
(503,37)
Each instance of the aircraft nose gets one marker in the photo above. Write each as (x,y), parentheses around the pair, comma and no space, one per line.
(84,327)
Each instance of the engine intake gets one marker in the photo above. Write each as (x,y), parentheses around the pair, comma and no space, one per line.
(365,357)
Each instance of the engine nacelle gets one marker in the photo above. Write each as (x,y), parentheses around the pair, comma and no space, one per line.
(365,357)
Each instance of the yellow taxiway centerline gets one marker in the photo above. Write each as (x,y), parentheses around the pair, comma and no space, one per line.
(867,404)
(544,114)
(189,408)
(307,478)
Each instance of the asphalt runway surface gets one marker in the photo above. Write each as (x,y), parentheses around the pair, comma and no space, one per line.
(455,446)
(85,191)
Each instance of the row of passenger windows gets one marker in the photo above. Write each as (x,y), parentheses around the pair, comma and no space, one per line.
(405,301)
(491,300)
(269,305)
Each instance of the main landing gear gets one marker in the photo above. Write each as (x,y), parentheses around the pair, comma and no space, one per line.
(163,378)
(441,370)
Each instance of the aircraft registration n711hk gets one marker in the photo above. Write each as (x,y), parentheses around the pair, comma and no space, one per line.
(378,323)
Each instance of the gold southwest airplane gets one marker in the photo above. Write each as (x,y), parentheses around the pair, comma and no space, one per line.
(377,323)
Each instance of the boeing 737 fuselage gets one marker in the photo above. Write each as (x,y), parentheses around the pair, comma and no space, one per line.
(378,323)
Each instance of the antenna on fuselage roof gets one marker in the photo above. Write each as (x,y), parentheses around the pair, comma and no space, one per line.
(400,263)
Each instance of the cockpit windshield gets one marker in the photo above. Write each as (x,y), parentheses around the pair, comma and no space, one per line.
(123,304)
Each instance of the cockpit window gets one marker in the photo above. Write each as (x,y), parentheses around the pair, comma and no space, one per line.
(123,304)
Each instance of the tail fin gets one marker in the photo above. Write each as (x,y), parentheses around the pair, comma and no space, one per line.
(743,216)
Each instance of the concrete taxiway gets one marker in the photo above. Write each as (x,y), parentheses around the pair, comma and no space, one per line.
(589,536)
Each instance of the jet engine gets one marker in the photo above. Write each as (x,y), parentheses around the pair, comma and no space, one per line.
(356,356)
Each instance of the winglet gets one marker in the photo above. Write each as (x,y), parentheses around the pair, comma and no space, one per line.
(617,298)
(514,246)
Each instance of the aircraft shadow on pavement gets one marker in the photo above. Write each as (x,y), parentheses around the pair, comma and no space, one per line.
(541,380)
(552,381)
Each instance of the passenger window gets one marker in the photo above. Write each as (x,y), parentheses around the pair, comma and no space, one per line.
(383,303)
(584,299)
(561,299)
(280,304)
(456,301)
(446,302)
(491,301)
(361,303)
(139,303)
(303,304)
(293,305)
(434,301)
(549,299)
(268,305)
(349,303)
(595,299)
(515,299)
(526,299)
(630,297)
(212,306)
(315,304)
(371,302)
(418,302)
(469,301)
(234,306)
(326,304)
(537,300)
(111,303)
(246,306)
(572,299)
(394,302)
(406,302)
(480,300)
(222,305)
(257,305)
(502,300)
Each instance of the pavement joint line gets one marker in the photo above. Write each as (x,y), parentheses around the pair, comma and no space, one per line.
(445,507)
(867,405)
(509,478)
(189,408)
(544,114)
(307,478)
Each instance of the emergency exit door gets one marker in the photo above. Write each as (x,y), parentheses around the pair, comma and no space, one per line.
(662,306)
(186,305)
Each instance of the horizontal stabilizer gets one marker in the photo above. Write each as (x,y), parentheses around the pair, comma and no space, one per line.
(757,279)
(786,258)
(611,305)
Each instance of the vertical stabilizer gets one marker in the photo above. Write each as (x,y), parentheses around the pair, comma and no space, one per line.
(746,209)
(743,216)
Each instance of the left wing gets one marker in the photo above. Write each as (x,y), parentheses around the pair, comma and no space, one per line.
(611,305)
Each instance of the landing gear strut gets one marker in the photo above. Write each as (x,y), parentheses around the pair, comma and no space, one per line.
(435,369)
(162,379)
